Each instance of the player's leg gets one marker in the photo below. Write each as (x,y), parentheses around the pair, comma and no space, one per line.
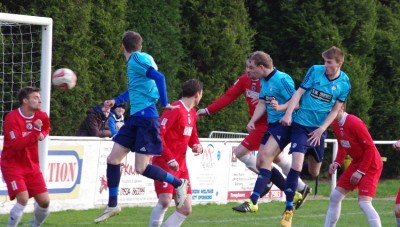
(17,210)
(118,152)
(268,150)
(179,216)
(366,191)
(41,208)
(335,205)
(245,156)
(397,208)
(250,143)
(158,212)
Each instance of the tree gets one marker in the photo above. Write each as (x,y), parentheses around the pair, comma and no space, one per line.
(217,39)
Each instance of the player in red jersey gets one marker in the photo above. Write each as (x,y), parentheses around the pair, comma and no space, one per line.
(249,86)
(23,128)
(178,131)
(396,146)
(363,172)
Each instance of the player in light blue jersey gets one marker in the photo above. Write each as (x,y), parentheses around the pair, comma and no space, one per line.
(321,96)
(141,132)
(275,86)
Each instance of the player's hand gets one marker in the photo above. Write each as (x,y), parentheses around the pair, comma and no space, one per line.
(197,149)
(250,127)
(355,178)
(202,112)
(315,137)
(286,120)
(396,145)
(38,124)
(41,137)
(174,165)
(255,101)
(274,104)
(109,103)
(170,107)
(333,167)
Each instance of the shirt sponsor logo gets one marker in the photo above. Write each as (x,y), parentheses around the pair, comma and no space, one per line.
(188,131)
(252,94)
(320,95)
(345,143)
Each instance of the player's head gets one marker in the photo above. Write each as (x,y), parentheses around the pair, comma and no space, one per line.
(250,75)
(333,60)
(30,97)
(260,64)
(193,88)
(132,41)
(341,112)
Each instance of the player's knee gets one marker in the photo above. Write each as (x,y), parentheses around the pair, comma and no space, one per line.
(185,210)
(140,169)
(313,172)
(43,203)
(164,202)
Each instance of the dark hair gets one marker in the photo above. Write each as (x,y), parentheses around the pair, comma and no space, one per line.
(191,87)
(132,41)
(25,92)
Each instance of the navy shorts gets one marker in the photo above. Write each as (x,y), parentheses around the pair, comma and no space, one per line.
(300,143)
(141,135)
(282,134)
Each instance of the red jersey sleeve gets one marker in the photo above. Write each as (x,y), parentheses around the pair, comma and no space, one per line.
(228,97)
(367,144)
(13,137)
(169,119)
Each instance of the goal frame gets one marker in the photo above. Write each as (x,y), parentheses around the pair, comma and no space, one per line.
(45,67)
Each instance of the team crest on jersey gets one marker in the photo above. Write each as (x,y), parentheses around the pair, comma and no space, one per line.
(253,87)
(333,87)
(341,133)
(29,126)
(345,143)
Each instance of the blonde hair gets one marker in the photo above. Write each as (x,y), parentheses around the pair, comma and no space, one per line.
(262,58)
(334,53)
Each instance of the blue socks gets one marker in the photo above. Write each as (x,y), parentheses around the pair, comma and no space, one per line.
(291,185)
(278,179)
(263,179)
(113,178)
(156,173)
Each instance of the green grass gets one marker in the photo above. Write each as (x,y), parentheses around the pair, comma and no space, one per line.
(311,214)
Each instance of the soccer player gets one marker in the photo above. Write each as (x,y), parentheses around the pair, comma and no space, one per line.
(249,86)
(319,98)
(396,146)
(23,128)
(178,131)
(141,132)
(279,86)
(363,172)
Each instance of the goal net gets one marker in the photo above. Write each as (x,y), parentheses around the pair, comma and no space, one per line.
(25,55)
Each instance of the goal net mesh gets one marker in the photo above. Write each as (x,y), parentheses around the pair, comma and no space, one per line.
(20,62)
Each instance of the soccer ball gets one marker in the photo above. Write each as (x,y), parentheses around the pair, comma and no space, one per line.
(64,78)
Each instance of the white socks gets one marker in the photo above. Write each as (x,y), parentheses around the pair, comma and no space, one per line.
(157,215)
(40,214)
(398,222)
(15,215)
(370,213)
(285,164)
(176,219)
(335,205)
(250,161)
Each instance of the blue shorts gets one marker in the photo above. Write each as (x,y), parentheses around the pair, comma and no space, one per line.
(141,135)
(282,134)
(300,143)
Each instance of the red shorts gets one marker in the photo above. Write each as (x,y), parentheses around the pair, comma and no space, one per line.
(164,187)
(17,182)
(253,140)
(398,197)
(366,186)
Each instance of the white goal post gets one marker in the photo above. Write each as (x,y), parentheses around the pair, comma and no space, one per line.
(45,66)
